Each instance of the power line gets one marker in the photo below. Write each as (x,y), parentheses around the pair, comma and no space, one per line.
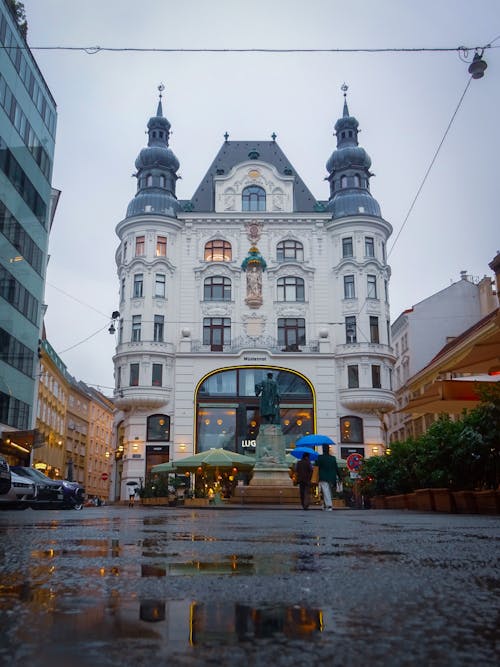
(412,205)
(70,296)
(84,340)
(92,50)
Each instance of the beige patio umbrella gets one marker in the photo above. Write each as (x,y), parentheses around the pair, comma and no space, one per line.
(212,458)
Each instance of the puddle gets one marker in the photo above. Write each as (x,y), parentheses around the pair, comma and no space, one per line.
(79,622)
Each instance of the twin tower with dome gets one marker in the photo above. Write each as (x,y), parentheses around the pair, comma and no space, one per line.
(251,275)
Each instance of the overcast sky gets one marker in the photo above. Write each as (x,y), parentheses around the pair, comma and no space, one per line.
(403,103)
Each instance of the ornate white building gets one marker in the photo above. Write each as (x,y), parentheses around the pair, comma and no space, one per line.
(252,275)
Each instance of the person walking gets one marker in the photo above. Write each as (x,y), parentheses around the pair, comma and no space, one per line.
(328,473)
(304,471)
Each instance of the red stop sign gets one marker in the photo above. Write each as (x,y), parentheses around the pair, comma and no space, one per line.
(104,476)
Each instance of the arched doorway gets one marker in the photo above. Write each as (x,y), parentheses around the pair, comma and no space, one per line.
(227,409)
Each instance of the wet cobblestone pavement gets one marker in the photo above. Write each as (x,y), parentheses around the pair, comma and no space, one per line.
(250,586)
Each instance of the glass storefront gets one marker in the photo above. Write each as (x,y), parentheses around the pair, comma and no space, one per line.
(227,408)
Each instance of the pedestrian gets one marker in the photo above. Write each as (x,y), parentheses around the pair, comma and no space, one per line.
(131,497)
(328,473)
(304,471)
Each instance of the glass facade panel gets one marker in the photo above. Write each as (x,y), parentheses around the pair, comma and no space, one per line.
(220,384)
(216,428)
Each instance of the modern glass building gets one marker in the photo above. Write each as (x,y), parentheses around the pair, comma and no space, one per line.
(27,205)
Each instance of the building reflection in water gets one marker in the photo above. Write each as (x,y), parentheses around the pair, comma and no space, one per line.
(228,623)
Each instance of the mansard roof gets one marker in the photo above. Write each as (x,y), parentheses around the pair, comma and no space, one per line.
(233,153)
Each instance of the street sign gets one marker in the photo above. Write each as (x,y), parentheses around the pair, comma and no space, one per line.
(104,476)
(354,462)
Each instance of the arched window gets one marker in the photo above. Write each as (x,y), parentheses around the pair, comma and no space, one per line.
(357,181)
(218,251)
(290,288)
(149,180)
(217,288)
(343,182)
(158,428)
(290,250)
(253,198)
(163,181)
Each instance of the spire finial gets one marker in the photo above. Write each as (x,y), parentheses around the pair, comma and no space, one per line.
(273,136)
(344,88)
(159,111)
(226,136)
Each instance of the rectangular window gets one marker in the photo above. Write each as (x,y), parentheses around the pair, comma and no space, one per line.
(347,249)
(157,375)
(353,377)
(374,333)
(160,285)
(376,377)
(384,255)
(216,332)
(122,290)
(371,286)
(350,329)
(291,333)
(158,328)
(140,246)
(136,328)
(124,255)
(138,285)
(369,247)
(161,246)
(134,375)
(349,292)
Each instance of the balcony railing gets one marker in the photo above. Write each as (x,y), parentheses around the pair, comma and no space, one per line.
(267,343)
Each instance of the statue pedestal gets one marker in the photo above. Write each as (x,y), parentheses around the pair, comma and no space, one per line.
(271,482)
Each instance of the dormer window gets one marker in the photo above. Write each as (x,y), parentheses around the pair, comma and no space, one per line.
(253,198)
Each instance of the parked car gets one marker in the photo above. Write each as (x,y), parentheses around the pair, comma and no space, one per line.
(48,490)
(21,494)
(5,482)
(60,493)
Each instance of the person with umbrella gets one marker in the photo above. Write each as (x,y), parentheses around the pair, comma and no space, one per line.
(328,473)
(304,471)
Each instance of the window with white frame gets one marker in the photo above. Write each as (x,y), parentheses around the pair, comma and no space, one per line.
(158,326)
(376,384)
(350,329)
(140,246)
(369,246)
(217,288)
(136,328)
(349,291)
(347,247)
(161,246)
(138,285)
(290,288)
(353,376)
(374,331)
(289,249)
(371,286)
(160,285)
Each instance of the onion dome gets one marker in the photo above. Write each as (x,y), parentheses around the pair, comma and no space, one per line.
(156,171)
(349,171)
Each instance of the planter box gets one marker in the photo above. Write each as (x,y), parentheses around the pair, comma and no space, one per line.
(411,501)
(396,502)
(465,502)
(338,502)
(155,501)
(196,502)
(425,500)
(487,502)
(443,500)
(378,502)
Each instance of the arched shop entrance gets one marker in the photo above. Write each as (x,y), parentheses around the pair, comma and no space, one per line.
(227,410)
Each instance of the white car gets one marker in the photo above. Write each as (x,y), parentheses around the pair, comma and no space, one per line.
(21,493)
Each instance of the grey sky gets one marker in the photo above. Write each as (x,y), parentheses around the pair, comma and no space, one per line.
(403,103)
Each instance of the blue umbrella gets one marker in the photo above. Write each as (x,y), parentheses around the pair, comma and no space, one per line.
(298,452)
(314,440)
